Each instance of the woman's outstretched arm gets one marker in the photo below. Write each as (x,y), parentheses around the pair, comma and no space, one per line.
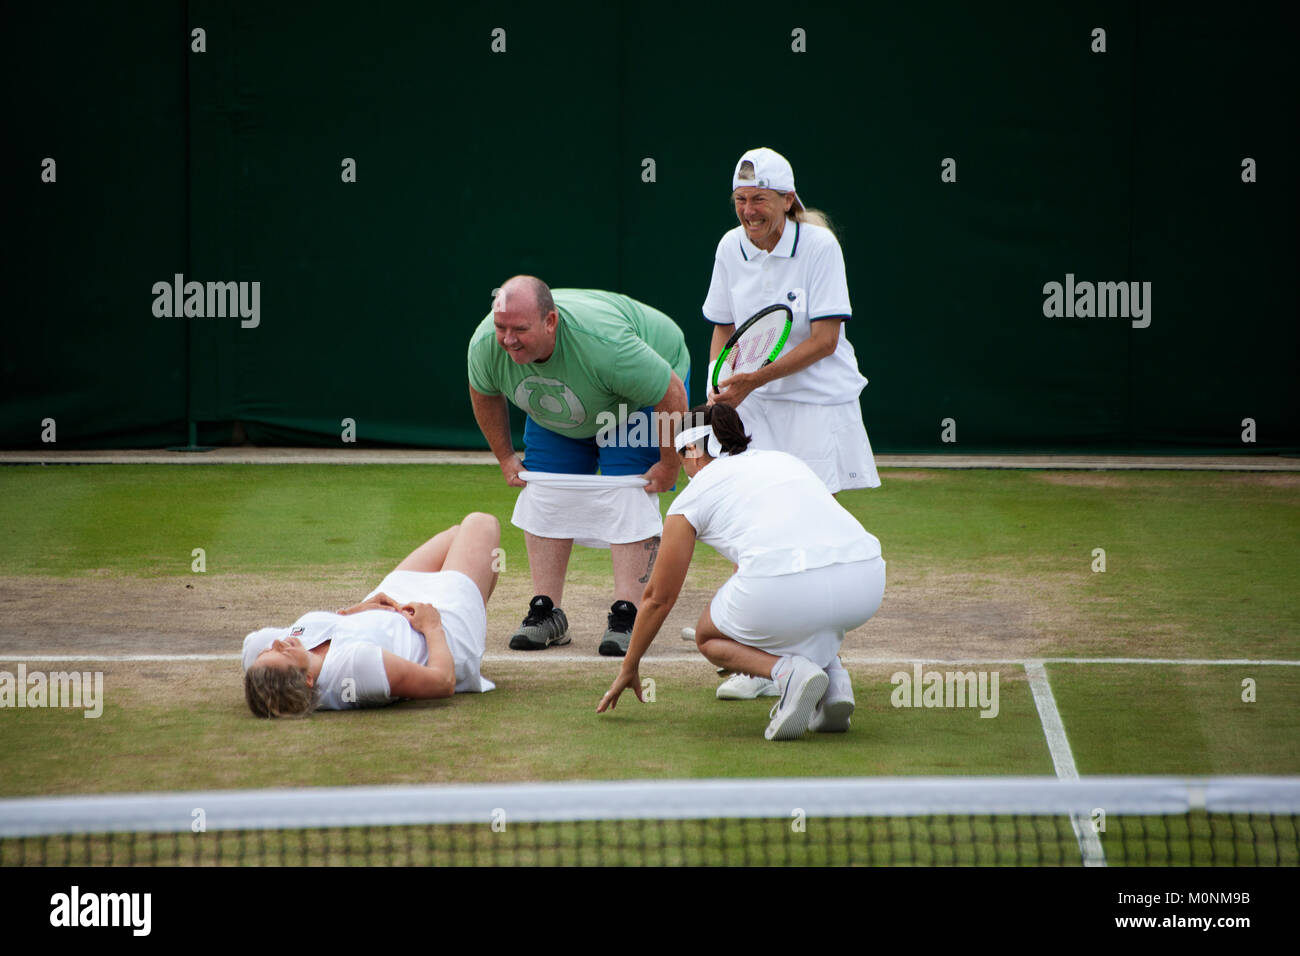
(657,600)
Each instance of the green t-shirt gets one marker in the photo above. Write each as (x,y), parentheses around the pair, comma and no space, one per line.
(609,351)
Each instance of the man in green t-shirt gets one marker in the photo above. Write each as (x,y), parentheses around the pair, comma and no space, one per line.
(576,361)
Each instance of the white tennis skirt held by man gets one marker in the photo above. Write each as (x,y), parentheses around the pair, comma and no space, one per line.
(806,573)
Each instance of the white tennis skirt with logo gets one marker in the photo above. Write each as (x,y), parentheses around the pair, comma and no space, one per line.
(806,613)
(594,510)
(829,439)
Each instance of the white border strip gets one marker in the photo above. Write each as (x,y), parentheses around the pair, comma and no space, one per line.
(634,800)
(544,658)
(1057,743)
(1063,759)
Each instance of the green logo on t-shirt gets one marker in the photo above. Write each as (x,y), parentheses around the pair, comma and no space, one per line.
(550,402)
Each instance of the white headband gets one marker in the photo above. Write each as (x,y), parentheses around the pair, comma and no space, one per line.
(691,435)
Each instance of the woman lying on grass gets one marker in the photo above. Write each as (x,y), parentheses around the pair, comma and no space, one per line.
(421,634)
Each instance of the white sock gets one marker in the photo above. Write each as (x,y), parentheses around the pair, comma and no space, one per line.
(782,663)
(840,686)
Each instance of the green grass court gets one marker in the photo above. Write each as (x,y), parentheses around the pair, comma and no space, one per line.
(1199,566)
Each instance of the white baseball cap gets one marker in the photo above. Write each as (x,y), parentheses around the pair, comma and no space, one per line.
(771,171)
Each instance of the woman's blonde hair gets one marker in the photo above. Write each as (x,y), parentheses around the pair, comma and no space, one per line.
(279,692)
(812,216)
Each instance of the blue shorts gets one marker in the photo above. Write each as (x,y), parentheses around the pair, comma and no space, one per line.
(552,453)
(546,451)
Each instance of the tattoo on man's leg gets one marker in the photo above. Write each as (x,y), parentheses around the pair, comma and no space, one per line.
(653,547)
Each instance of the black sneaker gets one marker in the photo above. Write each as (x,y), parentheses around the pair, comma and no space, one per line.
(622,615)
(545,625)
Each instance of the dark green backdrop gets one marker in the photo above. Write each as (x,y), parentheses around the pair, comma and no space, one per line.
(474,165)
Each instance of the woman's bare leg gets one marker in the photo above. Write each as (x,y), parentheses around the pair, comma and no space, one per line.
(431,555)
(475,552)
(723,651)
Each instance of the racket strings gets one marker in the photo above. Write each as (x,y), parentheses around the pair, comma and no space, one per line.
(752,350)
(758,342)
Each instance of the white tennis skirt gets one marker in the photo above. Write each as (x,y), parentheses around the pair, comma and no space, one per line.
(594,510)
(829,439)
(806,613)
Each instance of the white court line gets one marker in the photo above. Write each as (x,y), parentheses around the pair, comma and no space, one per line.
(1053,728)
(956,662)
(544,658)
(1063,758)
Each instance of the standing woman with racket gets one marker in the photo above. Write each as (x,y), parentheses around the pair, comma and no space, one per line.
(805,402)
(807,572)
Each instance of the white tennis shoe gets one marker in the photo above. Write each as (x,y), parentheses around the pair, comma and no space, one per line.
(743,687)
(802,686)
(833,711)
(832,716)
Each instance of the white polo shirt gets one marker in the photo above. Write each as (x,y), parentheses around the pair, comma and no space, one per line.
(769,514)
(805,270)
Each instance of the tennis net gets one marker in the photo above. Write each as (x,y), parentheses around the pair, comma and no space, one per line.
(1147,821)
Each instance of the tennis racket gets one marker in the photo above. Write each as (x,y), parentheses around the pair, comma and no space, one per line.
(756,343)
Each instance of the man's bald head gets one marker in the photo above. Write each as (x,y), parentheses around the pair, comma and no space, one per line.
(516,291)
(526,319)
